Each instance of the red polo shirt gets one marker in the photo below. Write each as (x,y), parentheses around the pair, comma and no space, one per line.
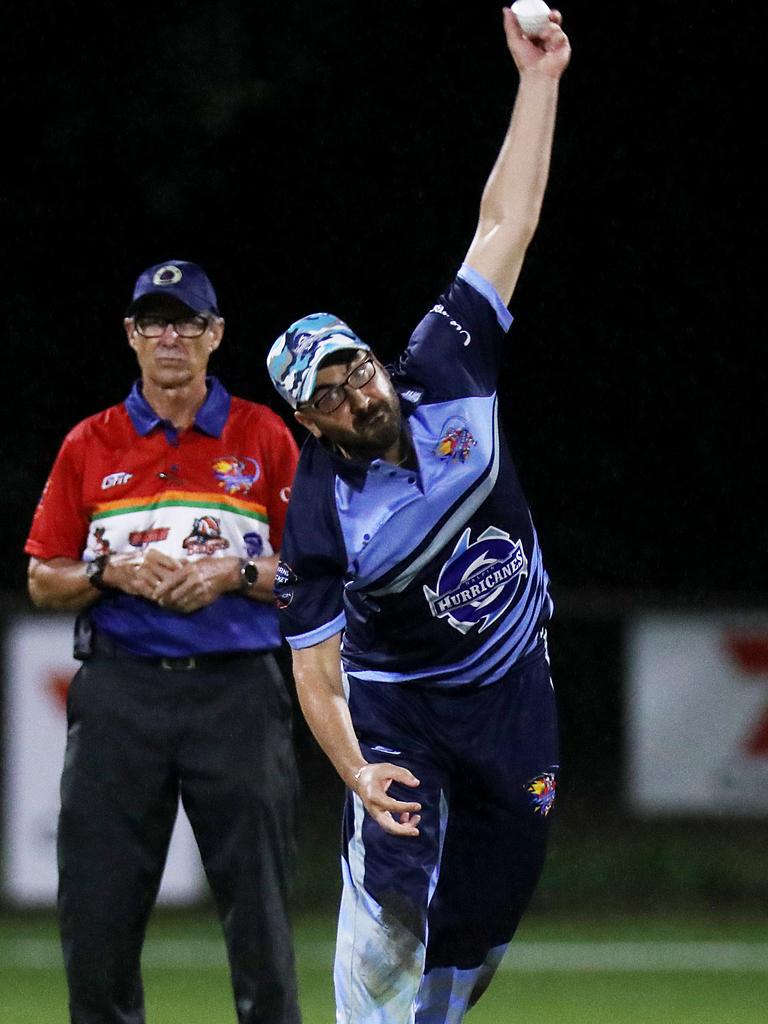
(125,480)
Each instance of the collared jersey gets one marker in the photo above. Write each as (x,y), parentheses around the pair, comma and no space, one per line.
(434,575)
(127,481)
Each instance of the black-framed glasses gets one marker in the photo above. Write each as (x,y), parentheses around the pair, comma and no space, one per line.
(331,399)
(185,326)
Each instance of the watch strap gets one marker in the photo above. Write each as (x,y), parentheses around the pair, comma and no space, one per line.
(95,572)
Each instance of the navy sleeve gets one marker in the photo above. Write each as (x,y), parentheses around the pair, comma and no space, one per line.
(309,586)
(456,349)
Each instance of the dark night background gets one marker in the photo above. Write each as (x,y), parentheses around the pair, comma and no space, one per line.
(331,155)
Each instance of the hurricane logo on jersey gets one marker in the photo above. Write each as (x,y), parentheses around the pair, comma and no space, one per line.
(236,475)
(479,581)
(542,791)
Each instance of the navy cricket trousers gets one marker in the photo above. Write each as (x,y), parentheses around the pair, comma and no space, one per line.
(425,920)
(141,737)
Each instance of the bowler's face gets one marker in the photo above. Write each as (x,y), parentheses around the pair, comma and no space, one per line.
(170,361)
(368,422)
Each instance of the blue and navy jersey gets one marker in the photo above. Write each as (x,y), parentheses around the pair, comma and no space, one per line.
(434,575)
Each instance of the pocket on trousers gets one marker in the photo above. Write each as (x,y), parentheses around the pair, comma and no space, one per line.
(73,695)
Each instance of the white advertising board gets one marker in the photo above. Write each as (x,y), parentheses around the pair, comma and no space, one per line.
(697,714)
(38,669)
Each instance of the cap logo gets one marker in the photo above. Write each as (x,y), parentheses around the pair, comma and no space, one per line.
(167,275)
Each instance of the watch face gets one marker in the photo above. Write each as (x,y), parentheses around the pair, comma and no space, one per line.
(249,574)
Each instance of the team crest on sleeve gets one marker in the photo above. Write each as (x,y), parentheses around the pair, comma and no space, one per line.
(479,581)
(236,475)
(285,580)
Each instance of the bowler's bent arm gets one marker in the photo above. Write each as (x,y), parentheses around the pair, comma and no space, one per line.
(317,671)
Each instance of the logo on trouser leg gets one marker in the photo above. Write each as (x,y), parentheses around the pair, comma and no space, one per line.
(541,792)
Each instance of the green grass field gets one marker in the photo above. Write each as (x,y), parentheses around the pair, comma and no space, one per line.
(617,970)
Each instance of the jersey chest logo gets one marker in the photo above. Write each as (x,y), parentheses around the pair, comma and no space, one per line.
(455,444)
(479,581)
(236,475)
(100,545)
(205,538)
(115,480)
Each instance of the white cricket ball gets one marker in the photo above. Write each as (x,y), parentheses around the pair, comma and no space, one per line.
(533,15)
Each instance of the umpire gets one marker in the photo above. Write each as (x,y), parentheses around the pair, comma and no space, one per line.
(160,525)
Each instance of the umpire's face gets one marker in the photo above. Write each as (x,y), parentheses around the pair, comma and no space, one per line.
(172,342)
(365,419)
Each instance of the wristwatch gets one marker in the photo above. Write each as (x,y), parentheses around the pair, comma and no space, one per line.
(249,573)
(94,572)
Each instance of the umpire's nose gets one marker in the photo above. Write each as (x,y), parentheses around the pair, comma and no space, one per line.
(169,332)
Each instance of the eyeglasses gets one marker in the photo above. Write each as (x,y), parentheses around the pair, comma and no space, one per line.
(184,326)
(331,399)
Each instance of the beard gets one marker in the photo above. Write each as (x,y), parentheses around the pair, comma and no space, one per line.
(374,433)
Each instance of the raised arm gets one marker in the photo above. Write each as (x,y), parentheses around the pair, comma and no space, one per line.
(512,198)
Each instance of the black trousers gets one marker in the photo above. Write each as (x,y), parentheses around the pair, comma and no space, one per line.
(140,737)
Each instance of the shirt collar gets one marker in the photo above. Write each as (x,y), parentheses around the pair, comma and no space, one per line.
(210,418)
(352,471)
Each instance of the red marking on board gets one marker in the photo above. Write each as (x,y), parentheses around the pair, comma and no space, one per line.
(750,652)
(757,743)
(58,687)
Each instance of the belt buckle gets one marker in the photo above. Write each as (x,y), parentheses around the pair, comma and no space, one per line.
(179,664)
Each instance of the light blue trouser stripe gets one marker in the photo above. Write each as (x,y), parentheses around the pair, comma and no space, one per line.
(379,964)
(446,993)
(441,840)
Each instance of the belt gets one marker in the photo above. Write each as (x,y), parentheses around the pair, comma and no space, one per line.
(189,663)
(104,647)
